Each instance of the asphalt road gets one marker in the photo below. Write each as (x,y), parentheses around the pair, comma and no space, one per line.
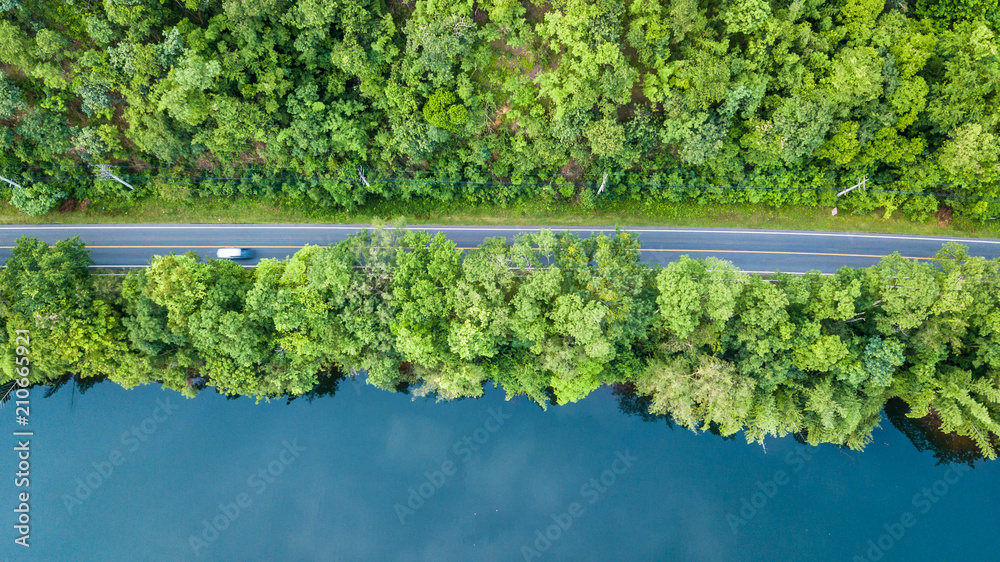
(132,245)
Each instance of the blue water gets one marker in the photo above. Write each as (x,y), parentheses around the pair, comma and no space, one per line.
(322,480)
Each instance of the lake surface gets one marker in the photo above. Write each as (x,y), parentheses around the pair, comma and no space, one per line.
(217,479)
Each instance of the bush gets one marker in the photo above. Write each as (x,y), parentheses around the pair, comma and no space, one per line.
(173,189)
(37,199)
(442,111)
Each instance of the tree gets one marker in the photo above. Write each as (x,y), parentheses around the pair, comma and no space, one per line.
(574,316)
(442,111)
(49,291)
(11,98)
(426,269)
(696,299)
(333,309)
(904,292)
(37,199)
(746,16)
(698,391)
(185,93)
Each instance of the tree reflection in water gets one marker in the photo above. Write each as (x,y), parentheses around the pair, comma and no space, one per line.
(635,405)
(925,435)
(923,432)
(327,386)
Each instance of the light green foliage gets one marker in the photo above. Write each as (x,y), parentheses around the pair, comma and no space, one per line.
(761,333)
(972,154)
(607,137)
(824,353)
(685,17)
(424,273)
(203,315)
(100,30)
(575,315)
(94,97)
(49,292)
(905,291)
(178,284)
(908,101)
(945,12)
(306,135)
(909,47)
(967,91)
(442,111)
(334,308)
(697,298)
(440,45)
(88,142)
(50,45)
(585,37)
(705,78)
(746,16)
(184,91)
(859,17)
(855,76)
(480,300)
(157,348)
(698,391)
(800,126)
(137,17)
(648,32)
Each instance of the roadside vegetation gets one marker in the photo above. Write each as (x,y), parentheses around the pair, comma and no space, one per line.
(624,213)
(344,106)
(550,316)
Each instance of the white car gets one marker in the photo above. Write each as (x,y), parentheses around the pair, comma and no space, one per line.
(234,254)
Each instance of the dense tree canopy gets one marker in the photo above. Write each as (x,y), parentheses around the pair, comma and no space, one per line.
(550,316)
(334,103)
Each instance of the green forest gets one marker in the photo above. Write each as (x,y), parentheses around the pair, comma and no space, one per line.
(332,104)
(550,316)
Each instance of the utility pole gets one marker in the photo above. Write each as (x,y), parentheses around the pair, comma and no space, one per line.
(10,182)
(361,175)
(860,184)
(104,171)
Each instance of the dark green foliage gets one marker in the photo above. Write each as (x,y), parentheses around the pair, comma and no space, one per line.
(11,97)
(499,100)
(36,199)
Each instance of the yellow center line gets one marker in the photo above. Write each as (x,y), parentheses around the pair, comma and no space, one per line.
(780,252)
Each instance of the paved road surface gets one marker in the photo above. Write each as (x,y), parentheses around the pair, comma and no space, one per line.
(132,245)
